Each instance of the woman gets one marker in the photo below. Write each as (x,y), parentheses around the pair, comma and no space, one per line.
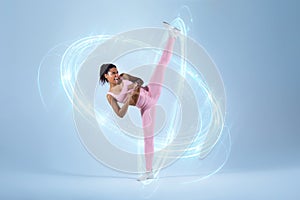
(129,90)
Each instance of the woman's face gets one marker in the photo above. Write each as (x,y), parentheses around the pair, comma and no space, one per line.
(113,76)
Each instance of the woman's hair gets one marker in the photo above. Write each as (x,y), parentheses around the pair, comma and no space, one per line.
(104,70)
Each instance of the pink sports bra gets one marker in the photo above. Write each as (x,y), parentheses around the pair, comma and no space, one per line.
(143,96)
(123,94)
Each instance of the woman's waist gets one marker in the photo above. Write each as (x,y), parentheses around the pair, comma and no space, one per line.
(140,98)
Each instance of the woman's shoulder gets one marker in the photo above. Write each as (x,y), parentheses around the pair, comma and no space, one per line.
(125,76)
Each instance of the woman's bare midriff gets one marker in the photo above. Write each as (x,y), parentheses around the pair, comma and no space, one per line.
(134,97)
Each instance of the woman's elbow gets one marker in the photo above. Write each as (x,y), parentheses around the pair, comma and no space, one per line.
(121,115)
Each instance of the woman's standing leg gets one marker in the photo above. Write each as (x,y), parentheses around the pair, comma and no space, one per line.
(148,128)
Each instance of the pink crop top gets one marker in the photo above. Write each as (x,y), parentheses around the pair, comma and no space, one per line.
(123,94)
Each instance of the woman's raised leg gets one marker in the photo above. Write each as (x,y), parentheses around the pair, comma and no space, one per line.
(155,86)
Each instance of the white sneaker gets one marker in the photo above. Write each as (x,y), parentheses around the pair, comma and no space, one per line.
(147,175)
(173,31)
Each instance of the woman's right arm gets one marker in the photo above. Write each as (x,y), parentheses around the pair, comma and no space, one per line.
(115,106)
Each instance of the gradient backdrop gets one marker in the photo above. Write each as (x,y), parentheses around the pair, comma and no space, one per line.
(255,45)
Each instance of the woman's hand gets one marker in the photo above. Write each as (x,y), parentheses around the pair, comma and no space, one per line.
(134,86)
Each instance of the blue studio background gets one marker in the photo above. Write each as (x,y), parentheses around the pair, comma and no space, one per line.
(255,45)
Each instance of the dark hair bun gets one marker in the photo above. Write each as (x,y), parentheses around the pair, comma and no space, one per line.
(104,70)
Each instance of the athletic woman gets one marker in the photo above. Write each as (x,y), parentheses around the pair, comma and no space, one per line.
(129,91)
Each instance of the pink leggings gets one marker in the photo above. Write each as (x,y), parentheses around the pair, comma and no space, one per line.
(148,111)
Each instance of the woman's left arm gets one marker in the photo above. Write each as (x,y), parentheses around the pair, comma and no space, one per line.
(133,79)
